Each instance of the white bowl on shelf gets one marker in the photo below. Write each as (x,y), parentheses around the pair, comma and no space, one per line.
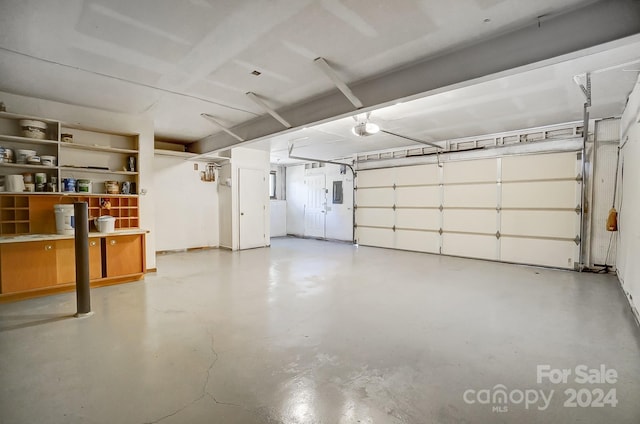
(33,129)
(23,155)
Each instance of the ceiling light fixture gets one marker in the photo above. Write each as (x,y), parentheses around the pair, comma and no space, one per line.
(364,129)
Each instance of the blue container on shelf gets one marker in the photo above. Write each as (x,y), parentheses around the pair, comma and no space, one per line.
(69,185)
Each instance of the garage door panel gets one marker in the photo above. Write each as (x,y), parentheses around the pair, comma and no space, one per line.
(422,219)
(540,223)
(375,197)
(375,217)
(376,178)
(414,175)
(475,195)
(375,237)
(472,246)
(561,254)
(419,241)
(478,221)
(418,196)
(547,194)
(539,167)
(470,171)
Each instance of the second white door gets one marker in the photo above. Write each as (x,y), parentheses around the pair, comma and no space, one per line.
(315,211)
(252,190)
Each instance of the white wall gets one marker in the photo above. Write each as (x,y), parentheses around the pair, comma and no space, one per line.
(296,199)
(186,207)
(278,218)
(629,200)
(339,217)
(108,121)
(225,206)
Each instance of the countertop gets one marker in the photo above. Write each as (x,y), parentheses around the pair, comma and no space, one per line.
(45,237)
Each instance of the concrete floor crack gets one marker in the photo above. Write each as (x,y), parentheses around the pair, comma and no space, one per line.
(203,392)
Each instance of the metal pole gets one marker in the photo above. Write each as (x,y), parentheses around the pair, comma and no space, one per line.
(583,210)
(83,292)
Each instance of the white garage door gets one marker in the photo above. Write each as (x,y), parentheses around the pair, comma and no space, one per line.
(522,209)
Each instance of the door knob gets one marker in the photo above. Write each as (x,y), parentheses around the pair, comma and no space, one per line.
(112,242)
(241,213)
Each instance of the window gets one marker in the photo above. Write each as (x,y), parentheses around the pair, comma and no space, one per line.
(272,184)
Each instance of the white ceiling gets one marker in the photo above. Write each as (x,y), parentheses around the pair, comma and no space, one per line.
(544,96)
(175,60)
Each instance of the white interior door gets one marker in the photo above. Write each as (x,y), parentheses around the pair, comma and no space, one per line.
(316,208)
(252,189)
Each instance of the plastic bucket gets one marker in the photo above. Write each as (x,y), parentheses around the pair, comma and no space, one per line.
(84,186)
(65,221)
(106,224)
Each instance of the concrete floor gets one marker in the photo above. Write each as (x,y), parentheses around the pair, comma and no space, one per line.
(318,332)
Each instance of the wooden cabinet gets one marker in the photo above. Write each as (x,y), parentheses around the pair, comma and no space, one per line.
(34,268)
(124,255)
(27,266)
(66,260)
(31,266)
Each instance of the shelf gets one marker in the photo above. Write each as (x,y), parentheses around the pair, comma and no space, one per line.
(96,171)
(160,152)
(97,148)
(60,193)
(27,166)
(16,116)
(27,140)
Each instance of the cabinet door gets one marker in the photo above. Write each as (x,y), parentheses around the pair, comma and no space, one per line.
(66,260)
(26,266)
(95,259)
(124,255)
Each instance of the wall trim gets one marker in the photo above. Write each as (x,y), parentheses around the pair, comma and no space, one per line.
(634,310)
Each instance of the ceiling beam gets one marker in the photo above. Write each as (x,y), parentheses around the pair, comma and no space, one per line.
(257,100)
(333,76)
(212,119)
(596,27)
